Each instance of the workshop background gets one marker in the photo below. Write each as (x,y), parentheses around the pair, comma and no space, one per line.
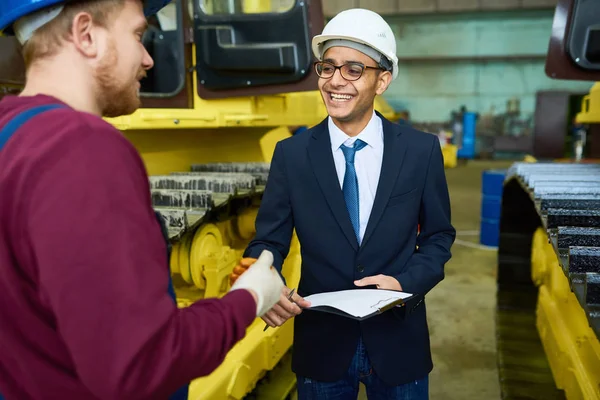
(518,313)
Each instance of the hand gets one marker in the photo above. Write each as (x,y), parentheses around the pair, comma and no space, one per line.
(239,269)
(262,279)
(285,309)
(381,281)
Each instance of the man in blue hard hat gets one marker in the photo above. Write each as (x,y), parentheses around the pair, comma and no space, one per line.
(85,309)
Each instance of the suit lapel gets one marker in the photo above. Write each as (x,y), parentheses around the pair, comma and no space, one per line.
(321,158)
(394,148)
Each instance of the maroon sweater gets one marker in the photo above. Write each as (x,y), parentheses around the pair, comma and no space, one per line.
(84,306)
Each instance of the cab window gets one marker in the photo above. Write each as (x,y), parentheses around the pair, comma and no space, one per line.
(164,41)
(252,44)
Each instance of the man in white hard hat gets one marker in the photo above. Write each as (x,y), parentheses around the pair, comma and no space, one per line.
(356,188)
(85,309)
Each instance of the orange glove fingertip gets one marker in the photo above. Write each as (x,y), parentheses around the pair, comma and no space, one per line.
(247,261)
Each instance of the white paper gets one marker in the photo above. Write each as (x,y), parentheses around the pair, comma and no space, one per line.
(356,302)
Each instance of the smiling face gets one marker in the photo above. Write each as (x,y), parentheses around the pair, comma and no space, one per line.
(350,103)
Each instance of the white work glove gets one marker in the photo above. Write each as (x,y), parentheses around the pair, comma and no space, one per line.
(264,280)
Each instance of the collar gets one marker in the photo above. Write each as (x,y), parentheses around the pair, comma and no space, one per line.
(372,134)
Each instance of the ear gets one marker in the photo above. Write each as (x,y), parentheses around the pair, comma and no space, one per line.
(383,82)
(84,35)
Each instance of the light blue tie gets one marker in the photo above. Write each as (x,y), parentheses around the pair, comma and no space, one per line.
(350,186)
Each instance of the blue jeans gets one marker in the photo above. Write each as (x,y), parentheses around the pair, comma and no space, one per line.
(361,371)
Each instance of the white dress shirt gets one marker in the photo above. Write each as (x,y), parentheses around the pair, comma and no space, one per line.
(367,163)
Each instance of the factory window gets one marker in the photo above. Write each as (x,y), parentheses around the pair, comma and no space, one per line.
(164,41)
(220,7)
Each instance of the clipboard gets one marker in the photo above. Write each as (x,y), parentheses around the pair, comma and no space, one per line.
(358,304)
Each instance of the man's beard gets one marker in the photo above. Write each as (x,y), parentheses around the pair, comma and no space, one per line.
(116,97)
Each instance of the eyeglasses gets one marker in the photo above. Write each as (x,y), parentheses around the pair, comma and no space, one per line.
(349,71)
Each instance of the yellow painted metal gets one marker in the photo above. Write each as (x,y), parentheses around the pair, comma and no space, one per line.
(450,154)
(289,109)
(252,357)
(211,262)
(590,107)
(261,6)
(208,259)
(572,348)
(249,6)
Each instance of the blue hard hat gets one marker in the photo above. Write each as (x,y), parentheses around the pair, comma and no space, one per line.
(12,10)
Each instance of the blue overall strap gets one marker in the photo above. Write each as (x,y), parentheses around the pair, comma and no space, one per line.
(18,121)
(165,233)
(182,392)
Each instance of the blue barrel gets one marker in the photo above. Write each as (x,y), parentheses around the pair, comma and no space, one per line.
(491,204)
(467,147)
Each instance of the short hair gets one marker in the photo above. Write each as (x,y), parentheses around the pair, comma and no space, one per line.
(46,40)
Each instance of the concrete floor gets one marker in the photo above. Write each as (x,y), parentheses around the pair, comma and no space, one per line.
(461,308)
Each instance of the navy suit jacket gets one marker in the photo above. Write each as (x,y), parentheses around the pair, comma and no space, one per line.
(303,192)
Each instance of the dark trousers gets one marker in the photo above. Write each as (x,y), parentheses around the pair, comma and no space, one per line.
(360,370)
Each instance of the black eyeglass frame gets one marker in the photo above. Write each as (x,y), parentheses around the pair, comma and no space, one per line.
(336,67)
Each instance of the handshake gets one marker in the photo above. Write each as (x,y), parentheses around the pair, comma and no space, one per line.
(262,280)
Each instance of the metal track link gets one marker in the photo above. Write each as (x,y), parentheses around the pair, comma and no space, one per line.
(207,193)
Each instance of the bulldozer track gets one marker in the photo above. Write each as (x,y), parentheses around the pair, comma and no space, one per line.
(207,193)
(563,200)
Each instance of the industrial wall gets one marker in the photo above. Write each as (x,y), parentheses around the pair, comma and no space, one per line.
(465,52)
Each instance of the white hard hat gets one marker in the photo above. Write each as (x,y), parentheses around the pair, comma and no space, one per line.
(362,27)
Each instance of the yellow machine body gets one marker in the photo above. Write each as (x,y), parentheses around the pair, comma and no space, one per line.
(590,107)
(450,154)
(572,348)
